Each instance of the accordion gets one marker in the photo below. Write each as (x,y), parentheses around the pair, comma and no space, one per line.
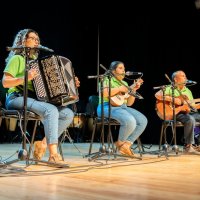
(55,83)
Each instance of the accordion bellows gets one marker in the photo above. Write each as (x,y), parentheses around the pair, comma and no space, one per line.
(55,83)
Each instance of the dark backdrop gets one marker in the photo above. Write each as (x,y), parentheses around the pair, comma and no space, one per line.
(155,38)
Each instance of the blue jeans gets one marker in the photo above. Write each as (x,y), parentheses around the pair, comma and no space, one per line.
(132,122)
(188,120)
(55,119)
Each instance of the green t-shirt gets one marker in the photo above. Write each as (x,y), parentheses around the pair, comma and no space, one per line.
(16,68)
(185,91)
(114,84)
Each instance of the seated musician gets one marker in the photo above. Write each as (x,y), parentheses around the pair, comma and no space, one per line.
(132,122)
(55,119)
(185,110)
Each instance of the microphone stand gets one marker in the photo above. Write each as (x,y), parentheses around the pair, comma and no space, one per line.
(173,87)
(175,147)
(22,153)
(102,150)
(27,54)
(25,95)
(165,146)
(163,130)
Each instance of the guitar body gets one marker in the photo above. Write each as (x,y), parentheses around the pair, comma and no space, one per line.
(169,110)
(118,100)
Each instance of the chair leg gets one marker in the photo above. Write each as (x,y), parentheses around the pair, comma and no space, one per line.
(59,144)
(173,132)
(175,146)
(163,129)
(64,135)
(111,146)
(140,146)
(32,140)
(92,138)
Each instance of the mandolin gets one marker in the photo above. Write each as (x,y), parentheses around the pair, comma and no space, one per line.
(185,108)
(119,99)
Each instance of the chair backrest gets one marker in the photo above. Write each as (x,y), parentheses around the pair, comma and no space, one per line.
(3,92)
(91,108)
(169,123)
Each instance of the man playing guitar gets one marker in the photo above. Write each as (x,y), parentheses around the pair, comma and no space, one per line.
(132,122)
(185,108)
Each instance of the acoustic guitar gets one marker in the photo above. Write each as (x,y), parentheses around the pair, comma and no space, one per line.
(119,99)
(185,108)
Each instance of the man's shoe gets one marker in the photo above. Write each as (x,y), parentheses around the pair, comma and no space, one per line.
(197,148)
(190,150)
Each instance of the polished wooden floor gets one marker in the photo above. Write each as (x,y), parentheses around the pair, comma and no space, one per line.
(152,177)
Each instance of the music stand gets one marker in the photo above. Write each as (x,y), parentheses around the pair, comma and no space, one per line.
(22,153)
(103,150)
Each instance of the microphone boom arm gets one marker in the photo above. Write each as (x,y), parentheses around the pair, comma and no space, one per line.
(40,47)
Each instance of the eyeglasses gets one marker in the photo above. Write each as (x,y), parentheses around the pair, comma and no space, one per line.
(33,38)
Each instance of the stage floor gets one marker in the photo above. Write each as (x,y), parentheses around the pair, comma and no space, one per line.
(108,177)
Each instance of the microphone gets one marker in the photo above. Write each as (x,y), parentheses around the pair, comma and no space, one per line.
(191,82)
(159,87)
(99,76)
(128,73)
(43,48)
(95,76)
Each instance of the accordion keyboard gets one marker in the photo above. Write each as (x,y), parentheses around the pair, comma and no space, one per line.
(40,89)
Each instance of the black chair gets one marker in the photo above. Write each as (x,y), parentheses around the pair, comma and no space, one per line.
(97,121)
(19,115)
(163,134)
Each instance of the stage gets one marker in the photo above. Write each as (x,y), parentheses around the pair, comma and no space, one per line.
(151,177)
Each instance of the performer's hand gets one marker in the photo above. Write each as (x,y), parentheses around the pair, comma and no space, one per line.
(77,82)
(186,108)
(32,73)
(137,84)
(177,101)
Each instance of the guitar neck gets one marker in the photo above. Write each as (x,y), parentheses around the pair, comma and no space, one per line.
(194,101)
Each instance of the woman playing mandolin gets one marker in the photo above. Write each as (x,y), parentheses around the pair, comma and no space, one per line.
(132,122)
(185,108)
